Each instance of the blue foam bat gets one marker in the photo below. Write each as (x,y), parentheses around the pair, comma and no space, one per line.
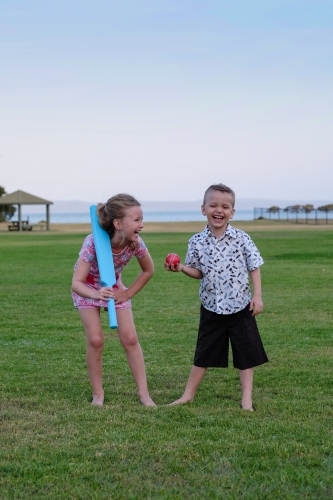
(105,261)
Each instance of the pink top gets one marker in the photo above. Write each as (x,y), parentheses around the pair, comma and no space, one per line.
(88,254)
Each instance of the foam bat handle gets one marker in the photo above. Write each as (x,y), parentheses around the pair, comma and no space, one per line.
(104,260)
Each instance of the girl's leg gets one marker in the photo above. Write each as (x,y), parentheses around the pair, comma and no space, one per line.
(129,340)
(246,380)
(95,343)
(196,375)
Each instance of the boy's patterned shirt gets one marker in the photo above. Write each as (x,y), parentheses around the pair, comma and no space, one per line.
(225,263)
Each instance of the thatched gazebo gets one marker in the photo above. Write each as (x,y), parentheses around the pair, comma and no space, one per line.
(20,198)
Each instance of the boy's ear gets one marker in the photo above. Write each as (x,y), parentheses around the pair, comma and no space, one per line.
(232,213)
(203,211)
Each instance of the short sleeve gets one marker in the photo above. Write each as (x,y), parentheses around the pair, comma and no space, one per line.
(251,254)
(88,252)
(192,256)
(140,250)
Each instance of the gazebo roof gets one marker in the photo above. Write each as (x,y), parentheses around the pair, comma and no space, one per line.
(22,198)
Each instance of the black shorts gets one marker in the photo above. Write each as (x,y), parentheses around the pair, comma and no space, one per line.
(213,340)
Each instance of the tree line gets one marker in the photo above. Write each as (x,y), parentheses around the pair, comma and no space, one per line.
(6,211)
(297,209)
(301,208)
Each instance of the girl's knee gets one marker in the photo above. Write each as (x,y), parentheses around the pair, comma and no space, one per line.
(129,340)
(96,342)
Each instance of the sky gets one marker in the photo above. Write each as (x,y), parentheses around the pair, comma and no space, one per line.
(161,98)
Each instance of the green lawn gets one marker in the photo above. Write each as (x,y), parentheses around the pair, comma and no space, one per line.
(55,445)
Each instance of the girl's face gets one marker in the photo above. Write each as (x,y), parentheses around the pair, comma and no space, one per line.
(131,224)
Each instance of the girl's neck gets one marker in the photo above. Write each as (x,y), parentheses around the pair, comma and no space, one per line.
(118,243)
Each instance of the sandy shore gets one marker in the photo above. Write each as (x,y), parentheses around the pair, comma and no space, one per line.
(189,227)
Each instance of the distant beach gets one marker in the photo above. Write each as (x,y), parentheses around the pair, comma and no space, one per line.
(157,216)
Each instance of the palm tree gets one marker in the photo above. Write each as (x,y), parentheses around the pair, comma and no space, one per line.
(296,209)
(326,208)
(287,210)
(273,210)
(307,209)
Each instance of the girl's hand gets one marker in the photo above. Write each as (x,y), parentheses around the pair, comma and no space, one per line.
(174,269)
(256,305)
(105,293)
(121,296)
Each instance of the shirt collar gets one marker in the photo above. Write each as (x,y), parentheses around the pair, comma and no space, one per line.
(230,231)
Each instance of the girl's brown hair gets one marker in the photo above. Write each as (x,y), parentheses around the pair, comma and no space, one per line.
(115,208)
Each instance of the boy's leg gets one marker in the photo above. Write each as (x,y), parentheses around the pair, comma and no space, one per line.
(248,351)
(246,380)
(129,340)
(95,343)
(196,375)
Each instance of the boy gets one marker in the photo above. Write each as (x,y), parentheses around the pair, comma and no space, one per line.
(222,257)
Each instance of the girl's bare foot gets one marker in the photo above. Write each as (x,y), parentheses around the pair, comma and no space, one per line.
(181,401)
(147,401)
(98,399)
(246,404)
(248,409)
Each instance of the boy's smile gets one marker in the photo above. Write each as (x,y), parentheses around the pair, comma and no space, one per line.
(218,209)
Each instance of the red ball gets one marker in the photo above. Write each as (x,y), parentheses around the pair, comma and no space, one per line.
(172,258)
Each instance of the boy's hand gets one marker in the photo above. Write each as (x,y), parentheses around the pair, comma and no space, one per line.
(174,269)
(256,305)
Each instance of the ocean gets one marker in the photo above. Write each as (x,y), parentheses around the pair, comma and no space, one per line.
(172,216)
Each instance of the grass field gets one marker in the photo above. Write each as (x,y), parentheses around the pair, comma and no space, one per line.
(54,445)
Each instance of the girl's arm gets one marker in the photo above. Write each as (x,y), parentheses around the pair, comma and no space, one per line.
(78,284)
(256,304)
(147,270)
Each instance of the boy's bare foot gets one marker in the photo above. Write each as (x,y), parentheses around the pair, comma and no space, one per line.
(147,401)
(181,401)
(98,399)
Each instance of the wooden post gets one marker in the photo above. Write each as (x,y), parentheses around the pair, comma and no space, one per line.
(19,217)
(47,217)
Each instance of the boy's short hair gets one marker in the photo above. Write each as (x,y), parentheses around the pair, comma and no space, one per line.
(220,187)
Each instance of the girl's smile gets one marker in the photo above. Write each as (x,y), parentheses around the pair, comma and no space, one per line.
(129,227)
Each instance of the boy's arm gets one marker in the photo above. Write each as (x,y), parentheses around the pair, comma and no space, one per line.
(256,304)
(192,272)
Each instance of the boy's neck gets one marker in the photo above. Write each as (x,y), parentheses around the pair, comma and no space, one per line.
(218,232)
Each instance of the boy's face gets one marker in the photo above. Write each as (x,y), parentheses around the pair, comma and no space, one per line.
(218,209)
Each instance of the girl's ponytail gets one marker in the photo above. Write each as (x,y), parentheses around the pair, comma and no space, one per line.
(105,221)
(115,208)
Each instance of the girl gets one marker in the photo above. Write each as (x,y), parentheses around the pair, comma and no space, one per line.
(121,216)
